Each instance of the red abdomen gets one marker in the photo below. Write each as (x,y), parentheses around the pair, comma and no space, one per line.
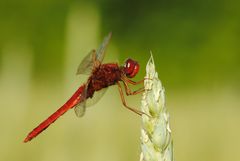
(75,99)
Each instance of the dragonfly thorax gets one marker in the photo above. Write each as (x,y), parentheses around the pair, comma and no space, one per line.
(106,75)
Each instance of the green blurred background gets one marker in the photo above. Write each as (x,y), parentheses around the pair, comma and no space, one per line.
(196,49)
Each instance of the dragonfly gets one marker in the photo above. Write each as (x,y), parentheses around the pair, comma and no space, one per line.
(100,77)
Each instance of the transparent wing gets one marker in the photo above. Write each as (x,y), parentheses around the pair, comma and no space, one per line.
(96,97)
(81,107)
(88,63)
(86,66)
(102,49)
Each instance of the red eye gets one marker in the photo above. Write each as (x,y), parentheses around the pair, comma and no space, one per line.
(131,68)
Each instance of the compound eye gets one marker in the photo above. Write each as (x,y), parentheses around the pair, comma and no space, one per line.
(131,68)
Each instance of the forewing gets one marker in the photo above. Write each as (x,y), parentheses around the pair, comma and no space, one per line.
(88,63)
(102,49)
(86,66)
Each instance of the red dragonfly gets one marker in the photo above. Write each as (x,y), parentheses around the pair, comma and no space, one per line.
(101,76)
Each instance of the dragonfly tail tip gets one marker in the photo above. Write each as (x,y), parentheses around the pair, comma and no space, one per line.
(26,140)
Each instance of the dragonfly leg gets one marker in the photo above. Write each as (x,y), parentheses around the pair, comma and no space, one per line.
(127,88)
(124,102)
(130,92)
(125,79)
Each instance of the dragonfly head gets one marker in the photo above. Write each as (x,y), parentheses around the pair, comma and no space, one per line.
(130,68)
